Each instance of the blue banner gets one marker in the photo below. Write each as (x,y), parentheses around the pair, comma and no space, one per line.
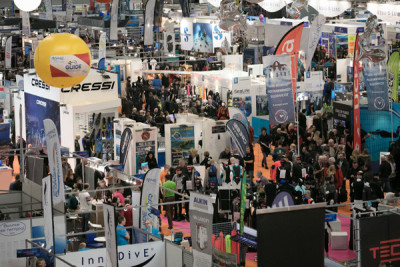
(277,70)
(239,135)
(375,79)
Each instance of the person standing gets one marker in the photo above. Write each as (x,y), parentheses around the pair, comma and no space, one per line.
(169,196)
(264,140)
(84,199)
(249,164)
(122,234)
(384,173)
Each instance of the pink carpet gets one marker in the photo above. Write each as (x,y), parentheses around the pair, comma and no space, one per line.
(183,226)
(342,254)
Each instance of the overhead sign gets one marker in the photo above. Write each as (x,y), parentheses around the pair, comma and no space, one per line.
(273,6)
(186,34)
(386,12)
(331,8)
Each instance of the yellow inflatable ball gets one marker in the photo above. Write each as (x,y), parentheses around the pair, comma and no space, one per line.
(62,60)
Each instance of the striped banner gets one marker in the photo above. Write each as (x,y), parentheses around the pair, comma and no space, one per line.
(69,65)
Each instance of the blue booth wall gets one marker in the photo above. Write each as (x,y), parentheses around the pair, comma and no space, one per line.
(257,124)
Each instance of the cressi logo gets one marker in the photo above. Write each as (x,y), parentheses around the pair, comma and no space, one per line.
(39,83)
(41,103)
(185,30)
(85,87)
(12,228)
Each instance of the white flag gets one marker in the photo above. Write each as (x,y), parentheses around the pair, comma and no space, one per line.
(102,45)
(26,26)
(69,10)
(313,37)
(114,20)
(8,52)
(49,10)
(149,22)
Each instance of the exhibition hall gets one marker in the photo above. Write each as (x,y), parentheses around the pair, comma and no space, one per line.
(199,133)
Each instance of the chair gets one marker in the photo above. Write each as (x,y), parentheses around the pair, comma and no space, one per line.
(90,243)
(178,238)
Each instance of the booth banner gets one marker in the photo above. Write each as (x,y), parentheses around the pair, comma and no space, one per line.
(55,165)
(169,42)
(102,45)
(114,20)
(145,141)
(8,52)
(330,8)
(273,6)
(375,79)
(186,29)
(393,75)
(149,22)
(110,235)
(313,38)
(239,135)
(219,36)
(182,141)
(224,258)
(385,11)
(49,9)
(12,237)
(201,219)
(290,44)
(237,114)
(4,134)
(150,197)
(151,254)
(356,99)
(47,212)
(26,25)
(158,10)
(315,87)
(341,111)
(125,145)
(380,240)
(279,89)
(202,37)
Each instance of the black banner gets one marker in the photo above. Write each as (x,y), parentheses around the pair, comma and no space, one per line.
(341,111)
(291,238)
(239,135)
(185,5)
(126,139)
(380,241)
(158,10)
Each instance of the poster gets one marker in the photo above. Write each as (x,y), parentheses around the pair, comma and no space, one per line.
(219,35)
(243,104)
(4,134)
(279,88)
(145,141)
(36,110)
(110,235)
(12,237)
(262,105)
(201,219)
(202,37)
(151,254)
(47,212)
(182,141)
(169,42)
(314,86)
(375,79)
(150,198)
(186,32)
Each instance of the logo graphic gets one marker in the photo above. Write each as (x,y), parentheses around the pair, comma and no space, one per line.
(70,65)
(145,135)
(73,65)
(176,135)
(12,228)
(186,39)
(281,116)
(379,103)
(387,251)
(218,34)
(235,80)
(185,30)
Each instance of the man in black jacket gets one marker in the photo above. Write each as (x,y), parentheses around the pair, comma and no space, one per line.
(264,140)
(385,170)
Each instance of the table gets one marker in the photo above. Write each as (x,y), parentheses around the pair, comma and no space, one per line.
(100,239)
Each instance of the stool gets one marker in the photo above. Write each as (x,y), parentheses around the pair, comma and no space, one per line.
(339,240)
(336,226)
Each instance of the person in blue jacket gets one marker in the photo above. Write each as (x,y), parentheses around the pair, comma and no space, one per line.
(157,83)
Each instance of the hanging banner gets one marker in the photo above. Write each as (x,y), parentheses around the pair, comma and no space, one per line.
(203,39)
(148,22)
(185,6)
(273,6)
(69,10)
(237,114)
(182,141)
(380,240)
(313,38)
(169,42)
(201,219)
(102,45)
(393,75)
(110,235)
(54,156)
(330,8)
(47,212)
(356,99)
(239,135)
(49,10)
(279,89)
(186,29)
(114,20)
(375,79)
(125,145)
(290,44)
(26,25)
(150,197)
(243,199)
(385,11)
(219,36)
(8,52)
(158,12)
(145,140)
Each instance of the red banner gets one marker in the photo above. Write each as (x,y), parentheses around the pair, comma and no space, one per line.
(290,44)
(356,100)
